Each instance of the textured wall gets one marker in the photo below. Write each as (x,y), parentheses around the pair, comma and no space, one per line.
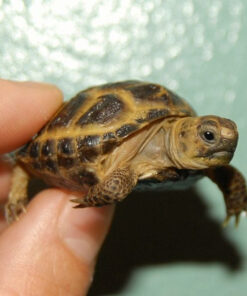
(198,49)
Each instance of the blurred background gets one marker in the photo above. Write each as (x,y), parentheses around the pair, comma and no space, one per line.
(169,243)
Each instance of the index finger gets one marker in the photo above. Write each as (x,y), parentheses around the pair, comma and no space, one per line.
(24,108)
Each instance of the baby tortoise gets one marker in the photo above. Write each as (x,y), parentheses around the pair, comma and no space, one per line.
(109,137)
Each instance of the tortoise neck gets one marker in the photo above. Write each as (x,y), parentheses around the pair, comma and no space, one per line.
(176,148)
(172,143)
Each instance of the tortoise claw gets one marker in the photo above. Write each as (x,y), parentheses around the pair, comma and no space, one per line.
(79,203)
(83,203)
(226,221)
(237,219)
(14,210)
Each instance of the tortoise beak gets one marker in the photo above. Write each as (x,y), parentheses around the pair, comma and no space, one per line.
(225,156)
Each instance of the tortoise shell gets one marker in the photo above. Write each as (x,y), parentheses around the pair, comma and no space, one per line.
(91,124)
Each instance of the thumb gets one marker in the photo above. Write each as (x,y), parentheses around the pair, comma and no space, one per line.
(52,249)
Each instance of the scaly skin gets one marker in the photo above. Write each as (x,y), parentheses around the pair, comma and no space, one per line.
(114,188)
(233,186)
(18,197)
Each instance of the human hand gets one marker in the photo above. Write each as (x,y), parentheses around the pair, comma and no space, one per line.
(52,249)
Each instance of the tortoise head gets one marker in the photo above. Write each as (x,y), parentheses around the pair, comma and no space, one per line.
(202,142)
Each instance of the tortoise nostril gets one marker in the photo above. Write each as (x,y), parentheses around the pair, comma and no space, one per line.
(228,133)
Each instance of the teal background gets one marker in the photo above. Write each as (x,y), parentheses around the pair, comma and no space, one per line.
(166,243)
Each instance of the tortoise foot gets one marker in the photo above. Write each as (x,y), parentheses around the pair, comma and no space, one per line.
(14,210)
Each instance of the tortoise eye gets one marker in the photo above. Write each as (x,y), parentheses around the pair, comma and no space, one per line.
(209,136)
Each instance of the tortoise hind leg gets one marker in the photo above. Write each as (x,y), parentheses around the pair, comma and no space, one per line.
(113,188)
(233,186)
(17,199)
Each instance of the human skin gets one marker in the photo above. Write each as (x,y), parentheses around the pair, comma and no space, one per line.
(52,248)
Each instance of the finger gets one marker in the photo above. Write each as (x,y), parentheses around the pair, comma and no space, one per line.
(24,107)
(51,250)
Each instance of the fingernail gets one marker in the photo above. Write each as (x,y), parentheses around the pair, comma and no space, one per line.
(83,230)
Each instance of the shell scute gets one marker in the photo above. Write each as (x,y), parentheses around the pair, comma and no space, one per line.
(34,149)
(87,150)
(66,162)
(109,136)
(144,91)
(67,111)
(126,129)
(88,155)
(50,165)
(48,147)
(66,146)
(154,113)
(88,141)
(107,108)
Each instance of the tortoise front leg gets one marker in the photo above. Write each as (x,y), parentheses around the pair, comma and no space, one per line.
(113,188)
(233,186)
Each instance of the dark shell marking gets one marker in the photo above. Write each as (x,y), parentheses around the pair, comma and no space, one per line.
(108,136)
(109,142)
(85,148)
(36,165)
(65,162)
(176,100)
(64,117)
(48,148)
(103,111)
(108,147)
(66,146)
(165,99)
(153,114)
(145,91)
(50,165)
(88,155)
(126,130)
(88,141)
(34,149)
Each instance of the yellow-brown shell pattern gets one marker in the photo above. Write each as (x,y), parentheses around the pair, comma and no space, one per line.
(94,122)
